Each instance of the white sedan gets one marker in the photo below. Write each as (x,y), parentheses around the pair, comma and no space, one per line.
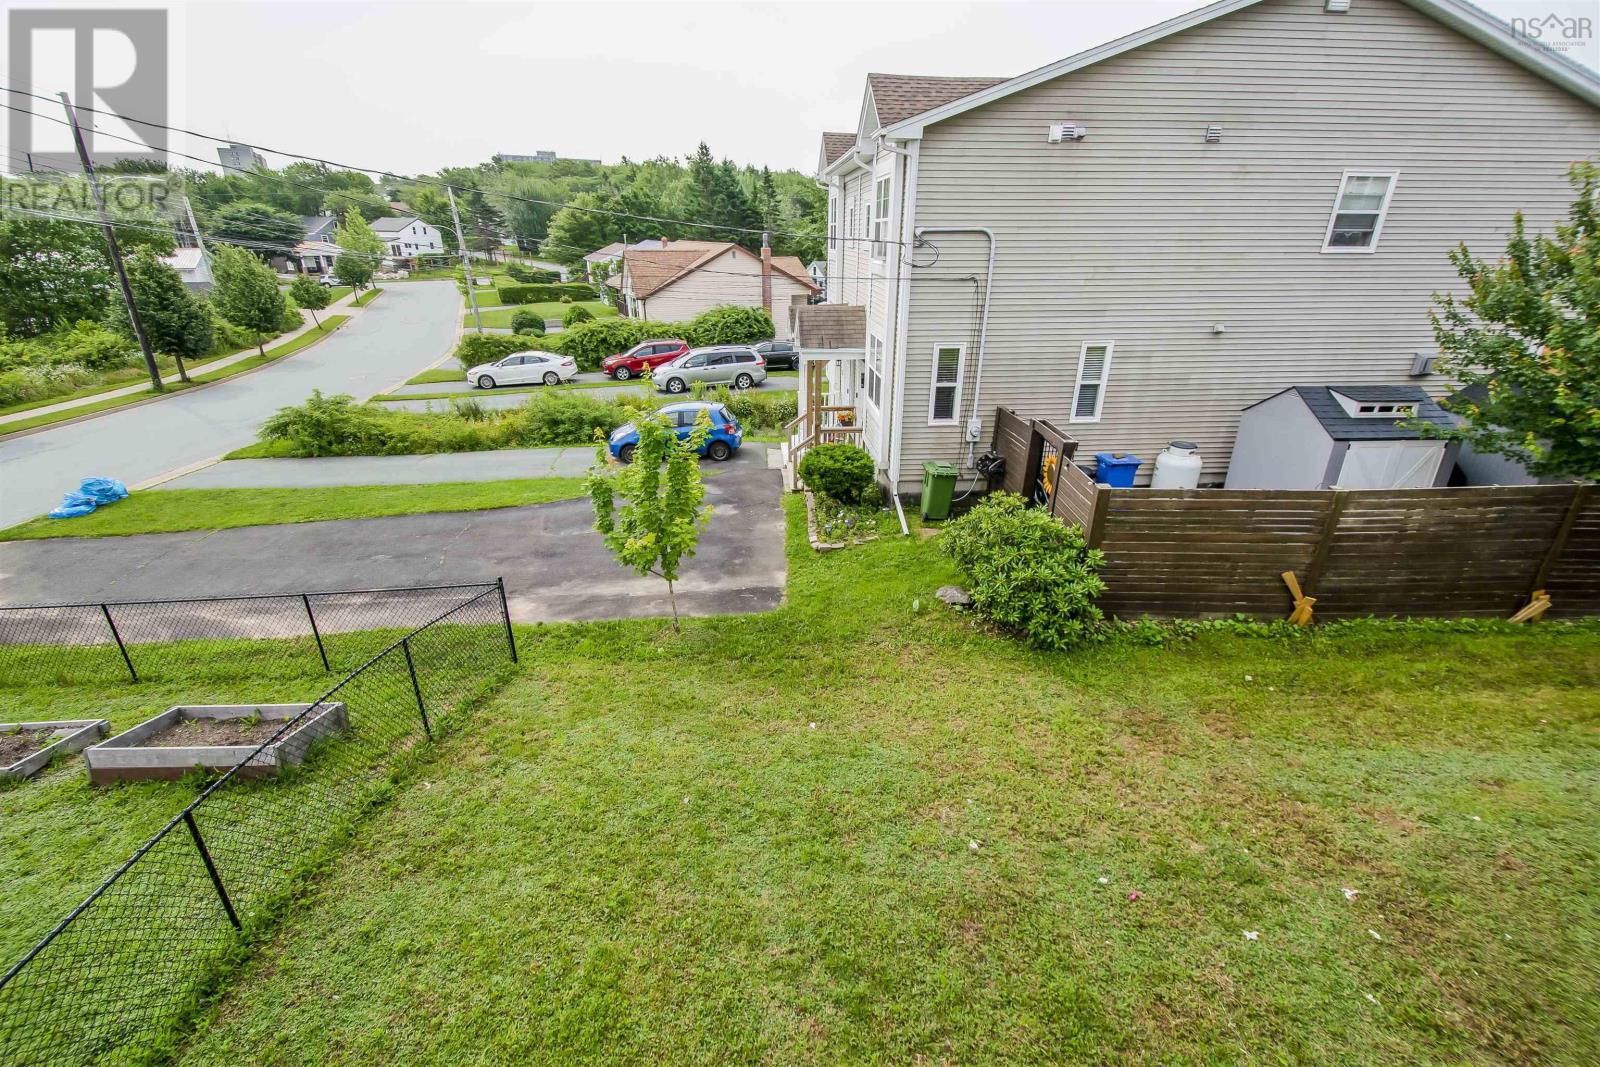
(524,368)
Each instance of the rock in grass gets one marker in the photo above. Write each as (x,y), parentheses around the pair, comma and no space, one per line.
(955,596)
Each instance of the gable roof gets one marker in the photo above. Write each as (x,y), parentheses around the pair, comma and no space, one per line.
(834,145)
(393,223)
(1458,15)
(315,225)
(1341,426)
(652,269)
(900,96)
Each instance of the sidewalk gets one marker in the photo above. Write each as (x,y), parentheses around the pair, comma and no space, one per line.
(343,307)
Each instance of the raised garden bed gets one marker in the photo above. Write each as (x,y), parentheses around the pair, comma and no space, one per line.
(214,737)
(27,747)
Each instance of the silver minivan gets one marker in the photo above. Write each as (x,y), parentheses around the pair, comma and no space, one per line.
(736,365)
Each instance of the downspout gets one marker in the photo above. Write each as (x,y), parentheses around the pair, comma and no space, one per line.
(973,419)
(908,218)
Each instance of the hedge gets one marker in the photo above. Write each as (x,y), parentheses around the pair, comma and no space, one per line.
(590,342)
(488,347)
(531,275)
(545,294)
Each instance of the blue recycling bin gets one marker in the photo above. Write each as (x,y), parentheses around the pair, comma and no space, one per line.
(1115,469)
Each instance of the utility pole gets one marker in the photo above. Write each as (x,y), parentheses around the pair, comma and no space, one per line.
(111,243)
(466,264)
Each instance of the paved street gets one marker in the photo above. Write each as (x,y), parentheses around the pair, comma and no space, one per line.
(408,328)
(554,564)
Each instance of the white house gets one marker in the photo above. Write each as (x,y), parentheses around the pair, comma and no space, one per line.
(1142,240)
(193,266)
(407,236)
(680,279)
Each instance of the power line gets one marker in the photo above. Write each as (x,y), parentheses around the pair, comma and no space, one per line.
(430,182)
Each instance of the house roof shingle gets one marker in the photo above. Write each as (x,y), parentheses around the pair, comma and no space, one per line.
(1321,402)
(392,223)
(653,269)
(900,96)
(834,145)
(828,326)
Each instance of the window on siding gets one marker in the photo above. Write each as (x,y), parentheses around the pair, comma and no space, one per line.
(874,371)
(1094,367)
(880,219)
(944,400)
(833,223)
(1358,212)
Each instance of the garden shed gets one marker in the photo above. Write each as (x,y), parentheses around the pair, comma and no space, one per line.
(1341,437)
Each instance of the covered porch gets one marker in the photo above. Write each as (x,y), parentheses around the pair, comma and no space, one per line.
(830,339)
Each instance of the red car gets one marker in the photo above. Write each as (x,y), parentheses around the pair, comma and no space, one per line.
(642,358)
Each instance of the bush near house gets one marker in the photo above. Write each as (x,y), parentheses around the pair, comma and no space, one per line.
(539,294)
(1028,573)
(730,325)
(527,320)
(576,315)
(842,471)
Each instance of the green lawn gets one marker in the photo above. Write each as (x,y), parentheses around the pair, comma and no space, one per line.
(167,510)
(288,348)
(448,373)
(367,297)
(501,316)
(862,829)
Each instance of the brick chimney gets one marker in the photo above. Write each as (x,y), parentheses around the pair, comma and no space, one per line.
(766,272)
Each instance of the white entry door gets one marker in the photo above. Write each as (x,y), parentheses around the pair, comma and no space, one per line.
(1391,464)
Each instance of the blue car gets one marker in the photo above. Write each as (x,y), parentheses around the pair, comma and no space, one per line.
(722,443)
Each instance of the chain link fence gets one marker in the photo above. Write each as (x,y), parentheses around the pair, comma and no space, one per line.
(113,978)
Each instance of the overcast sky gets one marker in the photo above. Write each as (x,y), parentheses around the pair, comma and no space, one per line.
(416,86)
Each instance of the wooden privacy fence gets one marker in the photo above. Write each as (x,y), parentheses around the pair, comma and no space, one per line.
(1481,551)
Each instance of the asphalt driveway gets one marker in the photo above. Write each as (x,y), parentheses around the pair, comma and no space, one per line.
(554,564)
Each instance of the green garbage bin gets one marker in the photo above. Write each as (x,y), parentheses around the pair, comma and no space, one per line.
(938,486)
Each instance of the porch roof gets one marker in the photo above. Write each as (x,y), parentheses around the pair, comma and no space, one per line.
(822,327)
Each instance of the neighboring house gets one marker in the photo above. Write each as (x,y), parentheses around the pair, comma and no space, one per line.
(316,251)
(611,256)
(407,236)
(680,279)
(818,269)
(319,227)
(193,266)
(1142,240)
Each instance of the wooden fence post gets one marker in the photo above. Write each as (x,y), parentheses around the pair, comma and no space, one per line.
(1319,558)
(1559,541)
(1097,522)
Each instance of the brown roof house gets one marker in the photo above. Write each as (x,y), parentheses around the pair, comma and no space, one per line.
(683,278)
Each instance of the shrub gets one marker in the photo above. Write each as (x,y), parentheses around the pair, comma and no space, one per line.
(23,385)
(566,419)
(729,325)
(576,315)
(531,275)
(590,342)
(1028,572)
(761,411)
(527,320)
(487,347)
(469,408)
(326,426)
(842,471)
(545,294)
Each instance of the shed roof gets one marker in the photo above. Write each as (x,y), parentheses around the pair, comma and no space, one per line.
(1341,426)
(827,326)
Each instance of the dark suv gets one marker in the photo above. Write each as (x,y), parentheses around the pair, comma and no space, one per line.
(642,358)
(779,354)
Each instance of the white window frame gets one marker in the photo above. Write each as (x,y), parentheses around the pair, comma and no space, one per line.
(878,218)
(1383,211)
(1078,382)
(873,386)
(833,222)
(934,384)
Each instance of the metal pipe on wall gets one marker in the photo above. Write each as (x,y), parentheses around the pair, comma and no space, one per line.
(983,327)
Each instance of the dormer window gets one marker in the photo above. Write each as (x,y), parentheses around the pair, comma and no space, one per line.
(1386,411)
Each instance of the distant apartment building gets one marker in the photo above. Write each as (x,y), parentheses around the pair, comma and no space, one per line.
(240,157)
(542,156)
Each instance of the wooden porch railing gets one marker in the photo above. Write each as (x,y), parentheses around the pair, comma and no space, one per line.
(819,426)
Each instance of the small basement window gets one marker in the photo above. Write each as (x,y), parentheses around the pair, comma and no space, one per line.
(944,398)
(1358,212)
(1094,366)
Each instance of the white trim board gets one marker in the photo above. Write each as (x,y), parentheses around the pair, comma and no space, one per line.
(1462,17)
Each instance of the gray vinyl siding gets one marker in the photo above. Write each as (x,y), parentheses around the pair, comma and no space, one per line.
(1144,235)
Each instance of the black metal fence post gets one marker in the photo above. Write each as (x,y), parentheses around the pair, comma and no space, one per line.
(211,868)
(305,599)
(505,613)
(106,611)
(405,646)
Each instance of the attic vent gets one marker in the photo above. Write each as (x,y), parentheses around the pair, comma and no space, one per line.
(1337,7)
(1213,134)
(1067,131)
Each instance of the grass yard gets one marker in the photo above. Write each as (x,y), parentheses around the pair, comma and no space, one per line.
(367,297)
(500,317)
(861,829)
(448,373)
(288,348)
(168,510)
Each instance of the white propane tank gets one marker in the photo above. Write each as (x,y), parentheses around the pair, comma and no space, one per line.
(1177,467)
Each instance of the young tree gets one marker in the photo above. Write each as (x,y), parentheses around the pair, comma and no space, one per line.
(175,320)
(360,251)
(306,292)
(663,505)
(247,293)
(1525,342)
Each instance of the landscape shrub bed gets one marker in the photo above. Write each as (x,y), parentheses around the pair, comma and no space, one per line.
(842,471)
(590,342)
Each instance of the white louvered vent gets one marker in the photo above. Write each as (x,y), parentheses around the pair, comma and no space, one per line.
(1067,131)
(1337,7)
(1213,134)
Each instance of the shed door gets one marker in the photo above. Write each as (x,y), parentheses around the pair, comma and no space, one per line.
(1391,464)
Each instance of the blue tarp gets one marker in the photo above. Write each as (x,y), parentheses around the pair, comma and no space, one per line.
(90,494)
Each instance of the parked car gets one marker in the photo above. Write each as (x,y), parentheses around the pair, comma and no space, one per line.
(524,368)
(327,280)
(642,358)
(735,365)
(720,444)
(779,354)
